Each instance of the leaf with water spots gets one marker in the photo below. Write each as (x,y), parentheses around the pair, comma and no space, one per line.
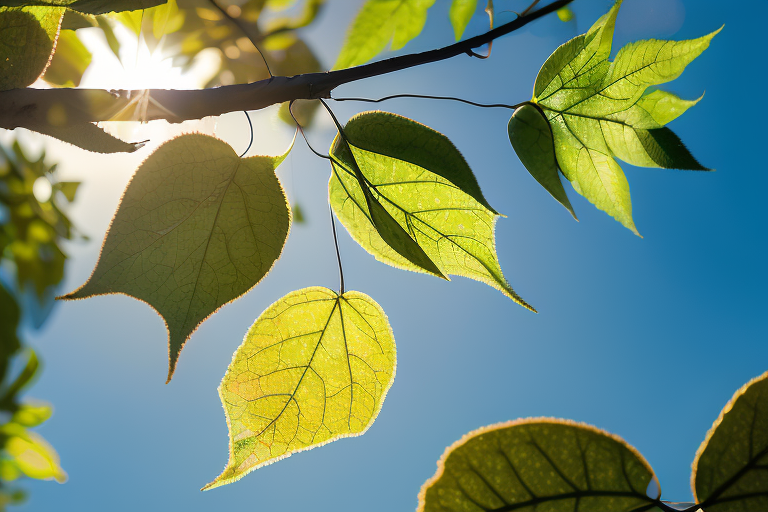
(407,196)
(314,367)
(730,473)
(539,464)
(197,228)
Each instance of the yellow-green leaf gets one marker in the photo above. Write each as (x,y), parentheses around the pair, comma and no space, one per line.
(69,62)
(90,6)
(313,368)
(415,176)
(32,414)
(531,137)
(539,464)
(730,472)
(29,37)
(379,23)
(197,228)
(460,13)
(597,111)
(31,454)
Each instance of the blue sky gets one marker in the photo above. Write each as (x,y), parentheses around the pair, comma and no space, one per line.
(647,338)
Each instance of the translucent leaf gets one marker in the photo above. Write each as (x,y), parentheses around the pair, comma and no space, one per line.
(32,414)
(313,368)
(379,23)
(539,464)
(31,454)
(29,35)
(418,179)
(197,228)
(91,6)
(730,472)
(461,12)
(598,112)
(565,14)
(86,136)
(531,137)
(69,62)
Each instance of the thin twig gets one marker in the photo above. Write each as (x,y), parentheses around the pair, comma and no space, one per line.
(430,97)
(253,38)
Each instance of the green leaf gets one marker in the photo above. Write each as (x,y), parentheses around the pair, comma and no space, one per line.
(461,12)
(32,414)
(379,23)
(729,472)
(539,464)
(531,137)
(313,368)
(86,136)
(31,454)
(597,111)
(29,35)
(197,228)
(69,62)
(90,6)
(565,14)
(413,175)
(68,189)
(109,34)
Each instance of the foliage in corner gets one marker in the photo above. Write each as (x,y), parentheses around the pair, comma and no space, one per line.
(31,267)
(197,228)
(598,111)
(551,464)
(407,196)
(313,368)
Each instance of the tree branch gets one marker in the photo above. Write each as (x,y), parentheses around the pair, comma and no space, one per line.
(33,107)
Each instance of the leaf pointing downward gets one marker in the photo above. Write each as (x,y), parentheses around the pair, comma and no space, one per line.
(313,368)
(197,228)
(418,178)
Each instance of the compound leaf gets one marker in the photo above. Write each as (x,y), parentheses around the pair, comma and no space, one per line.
(90,6)
(539,464)
(379,23)
(313,368)
(598,112)
(461,12)
(399,169)
(29,37)
(197,228)
(730,472)
(531,137)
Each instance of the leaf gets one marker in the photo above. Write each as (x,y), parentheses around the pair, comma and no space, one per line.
(31,454)
(69,62)
(531,137)
(729,471)
(379,23)
(539,464)
(597,111)
(460,13)
(314,367)
(29,36)
(197,228)
(407,172)
(86,136)
(565,14)
(32,414)
(90,6)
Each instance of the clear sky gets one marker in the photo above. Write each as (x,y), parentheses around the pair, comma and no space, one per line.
(647,338)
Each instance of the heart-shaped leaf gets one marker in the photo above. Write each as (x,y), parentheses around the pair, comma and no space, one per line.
(313,368)
(197,228)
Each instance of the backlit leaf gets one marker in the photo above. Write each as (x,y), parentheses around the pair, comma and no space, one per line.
(565,14)
(598,112)
(69,62)
(461,12)
(730,472)
(379,23)
(90,6)
(539,464)
(531,137)
(86,136)
(32,414)
(31,454)
(313,368)
(197,228)
(29,37)
(414,175)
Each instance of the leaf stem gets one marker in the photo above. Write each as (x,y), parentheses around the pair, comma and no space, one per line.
(244,29)
(250,125)
(430,97)
(338,254)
